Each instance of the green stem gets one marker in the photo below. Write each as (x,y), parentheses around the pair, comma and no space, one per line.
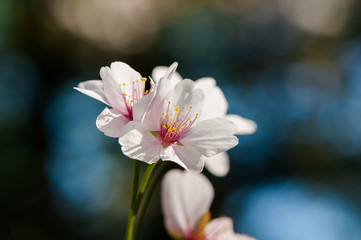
(138,198)
(143,186)
(148,195)
(131,217)
(135,181)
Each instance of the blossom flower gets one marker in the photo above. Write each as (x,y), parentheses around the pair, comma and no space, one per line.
(215,105)
(171,130)
(186,199)
(124,90)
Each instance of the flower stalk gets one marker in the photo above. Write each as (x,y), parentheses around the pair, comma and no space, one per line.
(147,195)
(137,196)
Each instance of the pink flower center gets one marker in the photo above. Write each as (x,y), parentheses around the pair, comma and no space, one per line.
(174,128)
(136,93)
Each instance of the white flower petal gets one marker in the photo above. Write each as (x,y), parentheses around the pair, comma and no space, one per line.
(167,72)
(215,103)
(172,71)
(211,136)
(141,107)
(245,126)
(206,83)
(219,228)
(222,229)
(94,89)
(113,79)
(123,73)
(243,237)
(111,122)
(218,164)
(187,157)
(168,154)
(185,94)
(186,197)
(112,91)
(139,144)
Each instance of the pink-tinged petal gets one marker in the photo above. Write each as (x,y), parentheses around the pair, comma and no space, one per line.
(139,144)
(222,229)
(245,126)
(111,122)
(167,72)
(211,136)
(218,164)
(112,91)
(123,73)
(114,77)
(215,103)
(141,107)
(187,157)
(94,89)
(186,197)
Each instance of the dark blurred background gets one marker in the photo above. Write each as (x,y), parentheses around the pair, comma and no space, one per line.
(292,66)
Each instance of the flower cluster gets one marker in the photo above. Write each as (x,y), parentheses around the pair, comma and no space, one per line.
(169,118)
(174,120)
